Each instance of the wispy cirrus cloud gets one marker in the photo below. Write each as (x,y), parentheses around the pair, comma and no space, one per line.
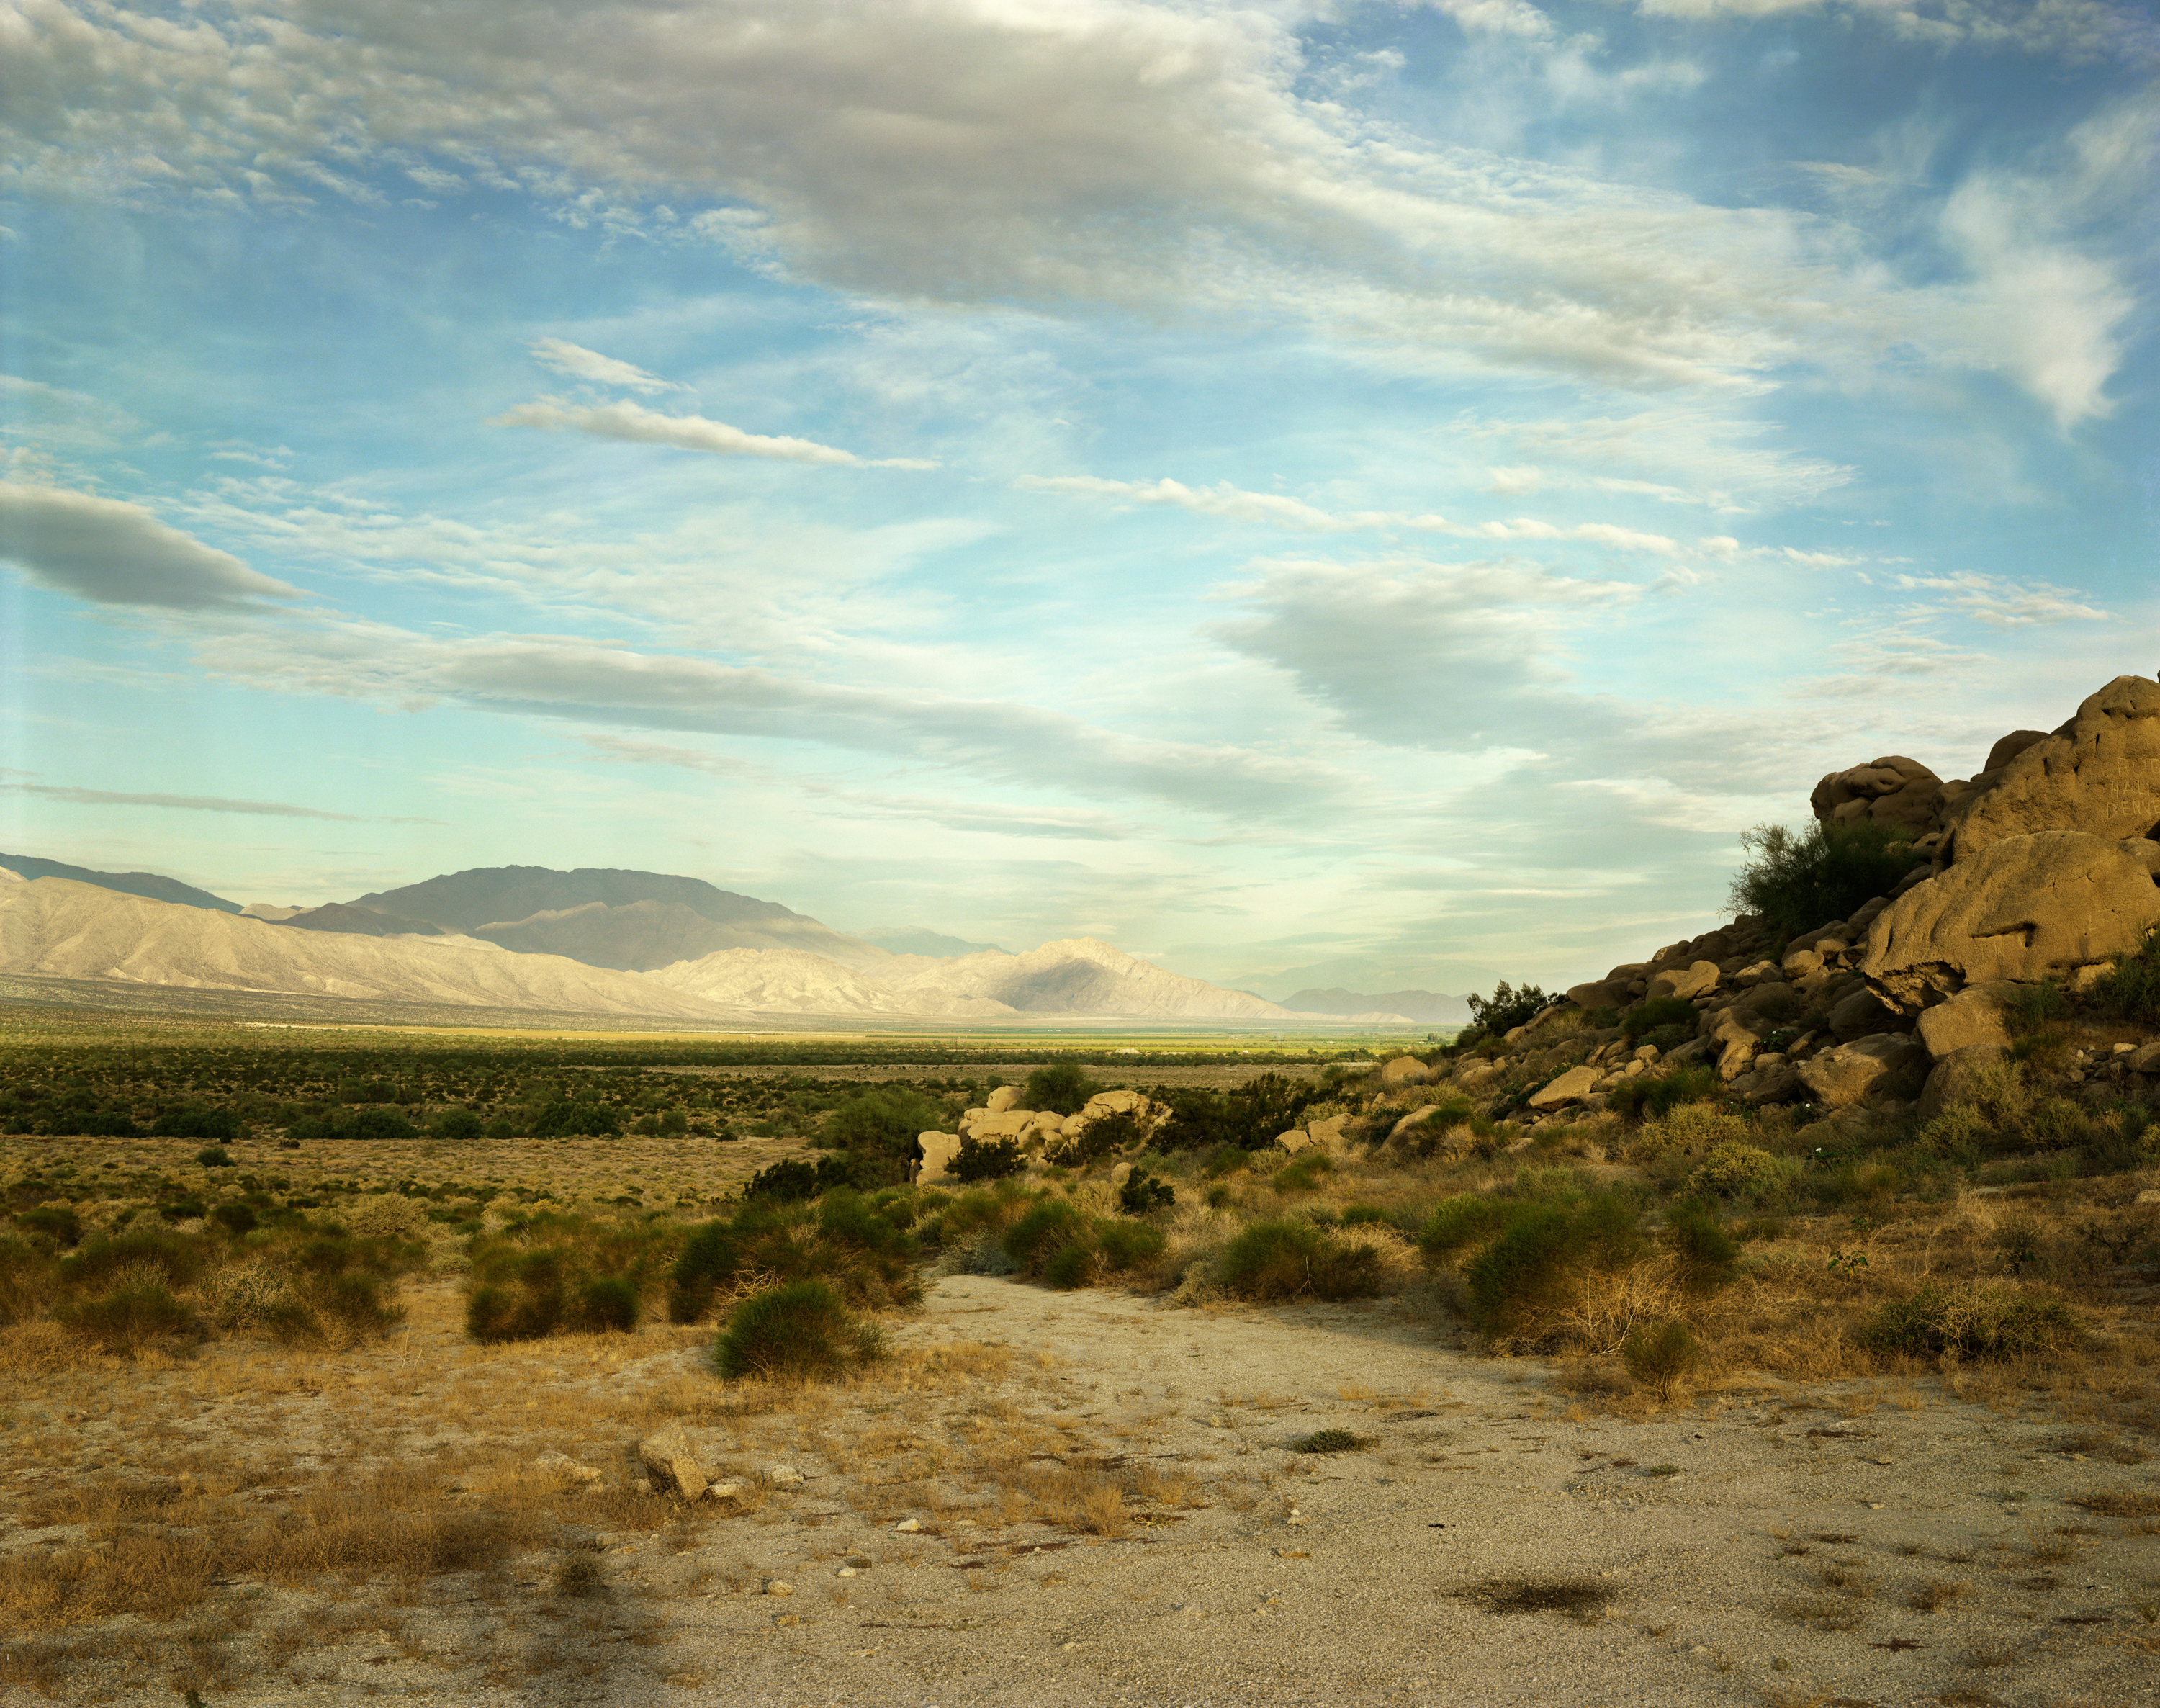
(637,425)
(579,363)
(184,803)
(1234,503)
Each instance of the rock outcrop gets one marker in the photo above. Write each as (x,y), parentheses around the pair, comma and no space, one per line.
(2024,907)
(2100,774)
(1893,791)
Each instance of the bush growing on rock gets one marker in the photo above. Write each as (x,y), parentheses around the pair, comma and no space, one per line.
(1657,1013)
(1062,1087)
(1248,1117)
(1733,1169)
(2131,990)
(1661,1094)
(1823,874)
(802,1332)
(1496,1015)
(979,1160)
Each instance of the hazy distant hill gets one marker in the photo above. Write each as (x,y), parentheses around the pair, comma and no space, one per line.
(1077,976)
(147,884)
(1429,1007)
(58,928)
(900,940)
(607,917)
(356,922)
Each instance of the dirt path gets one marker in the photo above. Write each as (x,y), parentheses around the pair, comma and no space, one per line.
(1486,1542)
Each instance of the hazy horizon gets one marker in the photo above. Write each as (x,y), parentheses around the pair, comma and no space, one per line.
(1368,495)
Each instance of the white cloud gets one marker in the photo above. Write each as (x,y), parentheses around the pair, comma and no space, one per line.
(2001,604)
(582,364)
(639,425)
(1126,152)
(1515,18)
(2074,29)
(184,803)
(116,553)
(1235,504)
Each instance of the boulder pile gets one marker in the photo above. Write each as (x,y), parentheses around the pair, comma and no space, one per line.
(1037,1131)
(2043,866)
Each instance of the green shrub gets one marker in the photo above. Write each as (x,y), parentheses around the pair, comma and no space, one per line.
(1496,1015)
(1305,1174)
(1272,1260)
(59,1222)
(194,1121)
(1661,1357)
(128,1318)
(1108,1135)
(1737,1170)
(710,1259)
(1227,1160)
(1536,1267)
(1705,1255)
(214,1156)
(181,1258)
(380,1123)
(499,1128)
(802,1331)
(607,1303)
(1142,1193)
(2131,990)
(1328,1441)
(796,1178)
(1360,1215)
(2028,1008)
(456,1126)
(1073,1266)
(1457,1223)
(1661,1011)
(879,1129)
(1649,1095)
(1128,1245)
(1970,1321)
(985,1160)
(235,1217)
(1248,1117)
(1823,874)
(518,1295)
(1062,1087)
(571,1119)
(1047,1229)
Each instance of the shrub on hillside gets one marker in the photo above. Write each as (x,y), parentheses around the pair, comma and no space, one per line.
(1732,1169)
(1535,1269)
(2131,990)
(1661,1355)
(1496,1015)
(802,1332)
(1821,876)
(1705,1255)
(1660,1012)
(1648,1096)
(1142,1193)
(1248,1117)
(1970,1321)
(1275,1260)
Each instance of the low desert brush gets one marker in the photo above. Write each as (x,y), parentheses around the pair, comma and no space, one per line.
(802,1331)
(1276,1260)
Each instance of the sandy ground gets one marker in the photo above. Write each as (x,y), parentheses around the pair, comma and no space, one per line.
(1768,1543)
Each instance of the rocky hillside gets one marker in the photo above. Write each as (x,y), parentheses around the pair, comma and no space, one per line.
(2028,883)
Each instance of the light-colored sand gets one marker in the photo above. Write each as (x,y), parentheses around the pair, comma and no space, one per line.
(1795,1509)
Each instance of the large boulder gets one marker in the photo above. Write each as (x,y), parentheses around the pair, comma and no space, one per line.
(671,1462)
(1951,1080)
(2022,908)
(1603,992)
(2100,774)
(1404,1070)
(1139,1104)
(1698,979)
(1004,1098)
(938,1150)
(1894,790)
(1889,1065)
(1972,1018)
(1572,1086)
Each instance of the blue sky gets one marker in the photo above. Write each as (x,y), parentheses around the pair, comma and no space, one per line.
(1377,495)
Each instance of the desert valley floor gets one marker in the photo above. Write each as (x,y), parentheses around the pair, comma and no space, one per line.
(1490,1540)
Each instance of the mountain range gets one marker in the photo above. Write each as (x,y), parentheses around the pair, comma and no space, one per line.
(600,941)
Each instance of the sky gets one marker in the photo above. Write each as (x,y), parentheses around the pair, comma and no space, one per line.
(1365,495)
